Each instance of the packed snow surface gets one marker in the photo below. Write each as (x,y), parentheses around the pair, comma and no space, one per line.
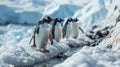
(14,38)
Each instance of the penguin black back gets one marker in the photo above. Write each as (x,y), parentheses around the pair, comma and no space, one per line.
(68,20)
(65,26)
(36,31)
(54,24)
(75,20)
(39,23)
(53,27)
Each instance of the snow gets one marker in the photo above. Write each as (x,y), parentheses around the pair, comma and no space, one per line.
(92,57)
(23,54)
(98,56)
(21,12)
(2,64)
(30,11)
(14,38)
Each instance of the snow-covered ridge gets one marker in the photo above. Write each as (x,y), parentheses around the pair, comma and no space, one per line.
(30,11)
(92,57)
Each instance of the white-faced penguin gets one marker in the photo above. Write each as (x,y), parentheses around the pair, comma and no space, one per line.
(67,28)
(75,28)
(56,30)
(36,31)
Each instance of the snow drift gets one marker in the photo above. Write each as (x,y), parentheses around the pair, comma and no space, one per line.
(30,12)
(13,51)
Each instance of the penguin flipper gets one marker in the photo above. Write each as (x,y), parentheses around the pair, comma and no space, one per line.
(63,33)
(33,37)
(34,44)
(51,39)
(81,29)
(30,41)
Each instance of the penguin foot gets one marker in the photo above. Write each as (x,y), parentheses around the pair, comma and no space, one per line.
(75,37)
(44,50)
(71,46)
(51,43)
(33,45)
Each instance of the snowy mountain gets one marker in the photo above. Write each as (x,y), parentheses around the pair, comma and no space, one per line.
(14,37)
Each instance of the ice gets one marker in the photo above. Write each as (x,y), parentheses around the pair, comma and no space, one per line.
(23,54)
(14,38)
(91,57)
(30,11)
(2,64)
(21,12)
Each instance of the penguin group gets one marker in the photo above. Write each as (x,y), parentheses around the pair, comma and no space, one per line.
(71,28)
(49,29)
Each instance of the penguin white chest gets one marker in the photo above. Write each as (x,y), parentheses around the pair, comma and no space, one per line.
(75,30)
(42,36)
(58,32)
(68,30)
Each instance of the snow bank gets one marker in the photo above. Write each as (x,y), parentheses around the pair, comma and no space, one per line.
(23,54)
(99,56)
(13,34)
(92,57)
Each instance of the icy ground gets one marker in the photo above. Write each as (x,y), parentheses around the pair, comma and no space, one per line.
(18,54)
(91,49)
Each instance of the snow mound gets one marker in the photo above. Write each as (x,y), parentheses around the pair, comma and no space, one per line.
(23,54)
(2,64)
(92,57)
(100,56)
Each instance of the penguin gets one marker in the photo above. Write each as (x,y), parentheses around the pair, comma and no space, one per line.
(75,28)
(67,28)
(48,20)
(56,30)
(41,39)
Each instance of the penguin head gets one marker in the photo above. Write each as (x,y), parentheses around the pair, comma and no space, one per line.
(61,20)
(71,19)
(49,18)
(55,21)
(45,20)
(68,19)
(40,22)
(76,19)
